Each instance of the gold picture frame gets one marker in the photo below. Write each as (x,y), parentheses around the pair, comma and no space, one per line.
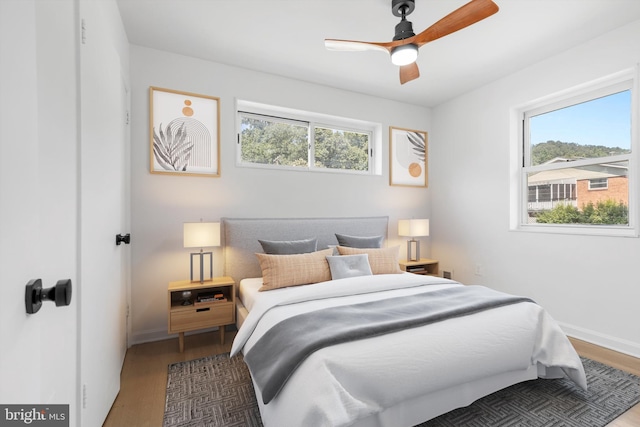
(408,157)
(184,133)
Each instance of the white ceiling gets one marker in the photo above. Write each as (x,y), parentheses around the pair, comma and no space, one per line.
(286,37)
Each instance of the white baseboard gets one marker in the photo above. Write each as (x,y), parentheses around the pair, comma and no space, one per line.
(149,335)
(612,343)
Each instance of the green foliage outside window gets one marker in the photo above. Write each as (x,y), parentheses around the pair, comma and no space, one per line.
(274,143)
(287,144)
(545,151)
(341,150)
(607,212)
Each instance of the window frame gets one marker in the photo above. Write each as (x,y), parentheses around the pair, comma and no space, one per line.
(599,185)
(520,161)
(312,120)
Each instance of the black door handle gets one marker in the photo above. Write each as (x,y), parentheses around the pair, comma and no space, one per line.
(120,238)
(34,294)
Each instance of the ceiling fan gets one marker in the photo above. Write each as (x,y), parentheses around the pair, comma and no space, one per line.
(404,47)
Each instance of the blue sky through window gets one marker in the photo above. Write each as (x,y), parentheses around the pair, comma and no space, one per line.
(602,121)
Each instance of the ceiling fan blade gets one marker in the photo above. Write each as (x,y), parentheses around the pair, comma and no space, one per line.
(355,46)
(409,72)
(470,13)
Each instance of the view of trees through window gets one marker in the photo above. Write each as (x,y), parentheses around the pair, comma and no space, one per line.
(337,149)
(278,141)
(578,162)
(546,151)
(273,142)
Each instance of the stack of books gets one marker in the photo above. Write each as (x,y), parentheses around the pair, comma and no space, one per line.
(417,269)
(209,297)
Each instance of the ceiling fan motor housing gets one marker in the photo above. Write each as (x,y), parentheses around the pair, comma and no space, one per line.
(402,8)
(404,30)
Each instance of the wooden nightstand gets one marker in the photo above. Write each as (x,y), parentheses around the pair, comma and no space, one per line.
(201,311)
(423,266)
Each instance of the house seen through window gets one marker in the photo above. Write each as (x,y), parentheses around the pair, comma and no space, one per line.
(576,157)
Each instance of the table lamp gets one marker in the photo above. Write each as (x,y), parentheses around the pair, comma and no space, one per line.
(413,228)
(202,235)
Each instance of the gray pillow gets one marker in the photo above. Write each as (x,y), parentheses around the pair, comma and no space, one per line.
(349,266)
(360,242)
(289,247)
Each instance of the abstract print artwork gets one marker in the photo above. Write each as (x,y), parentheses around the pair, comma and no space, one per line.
(408,157)
(184,133)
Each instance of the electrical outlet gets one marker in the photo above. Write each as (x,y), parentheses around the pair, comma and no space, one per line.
(479,270)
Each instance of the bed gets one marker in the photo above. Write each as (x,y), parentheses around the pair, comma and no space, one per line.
(400,377)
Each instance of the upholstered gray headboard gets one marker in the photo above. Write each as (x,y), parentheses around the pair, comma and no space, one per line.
(240,237)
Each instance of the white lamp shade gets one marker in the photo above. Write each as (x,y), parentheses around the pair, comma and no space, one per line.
(201,234)
(413,227)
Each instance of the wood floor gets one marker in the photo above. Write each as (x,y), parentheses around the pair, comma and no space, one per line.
(141,400)
(143,382)
(631,418)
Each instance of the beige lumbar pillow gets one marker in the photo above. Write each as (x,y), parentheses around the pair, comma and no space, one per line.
(382,260)
(279,271)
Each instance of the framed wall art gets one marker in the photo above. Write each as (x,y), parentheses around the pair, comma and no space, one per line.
(408,165)
(184,130)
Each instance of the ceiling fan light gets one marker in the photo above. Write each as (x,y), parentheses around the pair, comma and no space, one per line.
(404,55)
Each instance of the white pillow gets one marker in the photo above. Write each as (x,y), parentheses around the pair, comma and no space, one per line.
(349,266)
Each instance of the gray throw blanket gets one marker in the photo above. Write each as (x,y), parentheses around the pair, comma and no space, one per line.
(276,355)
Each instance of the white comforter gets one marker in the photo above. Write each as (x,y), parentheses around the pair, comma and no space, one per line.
(338,385)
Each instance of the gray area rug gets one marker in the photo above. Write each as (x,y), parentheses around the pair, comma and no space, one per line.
(217,391)
(212,391)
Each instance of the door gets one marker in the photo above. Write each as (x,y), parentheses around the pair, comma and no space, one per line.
(38,200)
(103,211)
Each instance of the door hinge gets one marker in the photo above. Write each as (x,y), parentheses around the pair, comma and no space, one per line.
(84,396)
(83,31)
(127,118)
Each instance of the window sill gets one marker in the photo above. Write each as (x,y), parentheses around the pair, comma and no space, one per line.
(567,229)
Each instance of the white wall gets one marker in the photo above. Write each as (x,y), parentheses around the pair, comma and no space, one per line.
(589,284)
(161,203)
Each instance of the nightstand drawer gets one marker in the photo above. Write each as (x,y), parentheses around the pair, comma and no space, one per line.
(203,316)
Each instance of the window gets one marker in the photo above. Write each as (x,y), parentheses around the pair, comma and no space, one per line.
(275,137)
(273,141)
(575,159)
(598,184)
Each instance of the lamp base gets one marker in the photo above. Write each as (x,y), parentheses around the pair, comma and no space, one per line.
(413,247)
(201,254)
